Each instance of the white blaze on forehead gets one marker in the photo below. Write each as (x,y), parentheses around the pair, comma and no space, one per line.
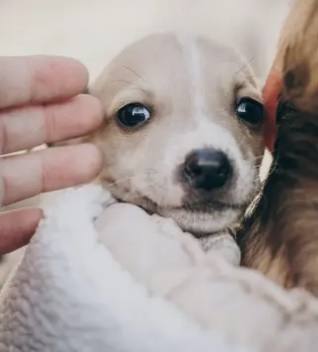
(193,65)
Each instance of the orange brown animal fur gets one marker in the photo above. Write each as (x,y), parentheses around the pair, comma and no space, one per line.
(280,235)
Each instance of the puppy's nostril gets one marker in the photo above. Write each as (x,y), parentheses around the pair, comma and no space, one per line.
(193,168)
(207,169)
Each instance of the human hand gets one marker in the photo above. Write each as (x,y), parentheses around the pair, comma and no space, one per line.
(41,102)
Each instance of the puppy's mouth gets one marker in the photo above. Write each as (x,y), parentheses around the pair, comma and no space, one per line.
(198,216)
(198,206)
(212,205)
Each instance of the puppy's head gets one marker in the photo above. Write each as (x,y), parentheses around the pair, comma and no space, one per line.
(183,127)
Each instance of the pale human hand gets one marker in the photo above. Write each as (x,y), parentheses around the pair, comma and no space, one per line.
(41,102)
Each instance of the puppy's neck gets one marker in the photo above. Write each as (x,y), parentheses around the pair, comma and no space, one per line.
(280,236)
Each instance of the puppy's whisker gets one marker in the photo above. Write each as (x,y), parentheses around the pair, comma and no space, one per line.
(259,157)
(130,84)
(249,61)
(121,81)
(134,72)
(125,179)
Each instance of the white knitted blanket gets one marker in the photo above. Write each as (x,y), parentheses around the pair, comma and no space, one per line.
(131,282)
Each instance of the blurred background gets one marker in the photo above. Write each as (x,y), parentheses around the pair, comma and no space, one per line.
(93,31)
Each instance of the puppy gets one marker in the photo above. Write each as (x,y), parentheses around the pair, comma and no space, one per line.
(182,135)
(280,235)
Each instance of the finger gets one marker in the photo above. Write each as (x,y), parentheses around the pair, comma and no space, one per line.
(27,127)
(17,227)
(24,176)
(39,79)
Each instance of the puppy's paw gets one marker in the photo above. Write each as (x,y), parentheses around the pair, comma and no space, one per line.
(225,245)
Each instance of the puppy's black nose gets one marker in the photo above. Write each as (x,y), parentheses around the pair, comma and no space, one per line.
(207,169)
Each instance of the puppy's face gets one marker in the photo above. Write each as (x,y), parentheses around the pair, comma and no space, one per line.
(182,135)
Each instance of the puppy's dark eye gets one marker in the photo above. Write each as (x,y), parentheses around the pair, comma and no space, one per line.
(251,111)
(133,115)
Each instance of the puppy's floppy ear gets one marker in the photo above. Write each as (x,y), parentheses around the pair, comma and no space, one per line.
(294,73)
(72,141)
(298,56)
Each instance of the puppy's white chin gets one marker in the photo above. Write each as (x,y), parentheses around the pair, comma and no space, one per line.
(200,223)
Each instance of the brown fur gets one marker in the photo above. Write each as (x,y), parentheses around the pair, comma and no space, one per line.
(297,55)
(279,237)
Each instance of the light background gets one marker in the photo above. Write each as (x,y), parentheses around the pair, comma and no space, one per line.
(93,31)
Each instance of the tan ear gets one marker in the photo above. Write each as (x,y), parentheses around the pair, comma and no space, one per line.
(297,55)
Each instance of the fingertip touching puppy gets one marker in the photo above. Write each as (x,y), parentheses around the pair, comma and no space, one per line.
(183,133)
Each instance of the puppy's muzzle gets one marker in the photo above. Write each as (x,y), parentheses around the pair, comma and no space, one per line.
(207,170)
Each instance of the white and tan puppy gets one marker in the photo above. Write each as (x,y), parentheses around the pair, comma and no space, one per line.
(183,130)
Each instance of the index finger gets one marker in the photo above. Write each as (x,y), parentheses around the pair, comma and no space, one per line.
(39,79)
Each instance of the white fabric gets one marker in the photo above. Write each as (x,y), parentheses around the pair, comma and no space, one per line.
(140,284)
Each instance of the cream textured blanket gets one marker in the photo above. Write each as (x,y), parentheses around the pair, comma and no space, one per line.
(103,276)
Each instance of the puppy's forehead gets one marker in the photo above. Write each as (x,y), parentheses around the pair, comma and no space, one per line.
(150,63)
(164,63)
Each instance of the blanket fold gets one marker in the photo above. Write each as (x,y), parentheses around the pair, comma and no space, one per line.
(104,276)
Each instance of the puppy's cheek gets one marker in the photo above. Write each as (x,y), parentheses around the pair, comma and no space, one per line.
(162,190)
(163,185)
(247,181)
